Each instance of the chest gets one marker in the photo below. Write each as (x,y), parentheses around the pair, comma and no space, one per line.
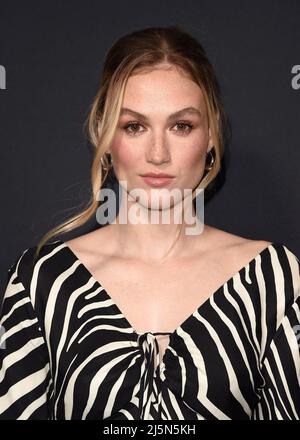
(160,298)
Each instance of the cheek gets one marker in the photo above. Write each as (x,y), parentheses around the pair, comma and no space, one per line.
(193,158)
(124,155)
(194,148)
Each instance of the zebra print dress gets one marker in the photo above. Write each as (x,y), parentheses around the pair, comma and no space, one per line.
(68,352)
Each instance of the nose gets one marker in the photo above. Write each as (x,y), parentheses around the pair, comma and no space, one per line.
(158,151)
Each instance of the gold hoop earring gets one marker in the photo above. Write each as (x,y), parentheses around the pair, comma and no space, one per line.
(212,160)
(107,164)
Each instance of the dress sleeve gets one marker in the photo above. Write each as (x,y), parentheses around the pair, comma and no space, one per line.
(25,378)
(280,394)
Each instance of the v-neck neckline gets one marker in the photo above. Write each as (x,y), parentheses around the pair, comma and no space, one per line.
(189,318)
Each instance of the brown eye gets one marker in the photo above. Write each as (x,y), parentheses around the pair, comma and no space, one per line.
(132,128)
(132,125)
(186,127)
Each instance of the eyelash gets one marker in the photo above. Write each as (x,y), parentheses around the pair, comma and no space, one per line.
(187,124)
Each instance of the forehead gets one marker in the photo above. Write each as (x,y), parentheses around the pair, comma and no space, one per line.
(162,87)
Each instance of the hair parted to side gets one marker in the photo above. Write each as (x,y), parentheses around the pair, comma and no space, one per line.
(137,52)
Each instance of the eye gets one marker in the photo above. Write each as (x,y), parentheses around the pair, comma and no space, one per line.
(187,125)
(132,128)
(133,125)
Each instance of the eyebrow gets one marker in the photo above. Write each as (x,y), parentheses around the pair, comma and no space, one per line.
(178,114)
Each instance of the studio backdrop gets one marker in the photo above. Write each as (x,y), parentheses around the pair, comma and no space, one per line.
(51,54)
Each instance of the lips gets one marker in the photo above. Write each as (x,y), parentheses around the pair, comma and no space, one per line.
(159,174)
(157,181)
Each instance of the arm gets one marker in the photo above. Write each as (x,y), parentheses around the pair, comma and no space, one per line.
(280,364)
(25,377)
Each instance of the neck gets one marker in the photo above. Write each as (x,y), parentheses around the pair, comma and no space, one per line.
(157,234)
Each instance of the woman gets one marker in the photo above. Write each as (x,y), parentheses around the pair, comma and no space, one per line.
(140,319)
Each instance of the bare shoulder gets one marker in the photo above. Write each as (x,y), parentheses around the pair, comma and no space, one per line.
(237,249)
(249,249)
(91,240)
(94,247)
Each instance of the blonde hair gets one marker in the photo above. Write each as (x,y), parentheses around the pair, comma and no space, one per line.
(136,52)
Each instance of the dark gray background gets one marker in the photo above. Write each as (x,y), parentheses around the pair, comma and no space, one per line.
(53,51)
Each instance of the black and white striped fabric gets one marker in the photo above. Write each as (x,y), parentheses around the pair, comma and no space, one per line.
(68,352)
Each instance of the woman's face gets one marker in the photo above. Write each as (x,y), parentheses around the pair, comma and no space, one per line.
(152,140)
